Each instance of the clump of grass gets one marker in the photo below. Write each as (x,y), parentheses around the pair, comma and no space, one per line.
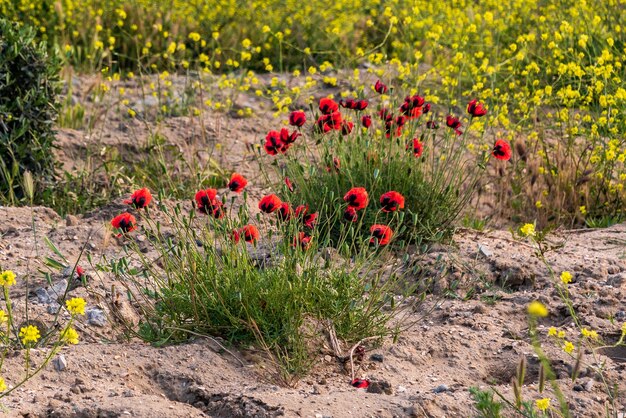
(280,291)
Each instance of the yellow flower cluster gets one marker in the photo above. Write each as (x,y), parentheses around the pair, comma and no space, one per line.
(7,278)
(29,334)
(76,306)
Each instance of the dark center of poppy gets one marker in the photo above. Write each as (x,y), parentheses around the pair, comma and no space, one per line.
(140,202)
(498,151)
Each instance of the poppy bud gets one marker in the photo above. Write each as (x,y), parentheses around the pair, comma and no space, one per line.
(366,121)
(380,87)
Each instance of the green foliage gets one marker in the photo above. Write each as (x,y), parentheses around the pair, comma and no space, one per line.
(29,84)
(277,297)
(485,404)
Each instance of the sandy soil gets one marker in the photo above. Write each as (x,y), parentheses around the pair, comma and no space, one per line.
(471,331)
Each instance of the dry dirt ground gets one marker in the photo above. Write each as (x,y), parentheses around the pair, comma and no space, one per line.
(472,329)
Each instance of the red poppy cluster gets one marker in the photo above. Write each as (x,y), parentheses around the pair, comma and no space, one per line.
(357,199)
(272,203)
(354,104)
(276,142)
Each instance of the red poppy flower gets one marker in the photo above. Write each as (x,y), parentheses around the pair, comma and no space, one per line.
(237,183)
(381,234)
(301,210)
(412,106)
(140,198)
(501,150)
(270,203)
(328,106)
(297,118)
(366,121)
(417,146)
(476,109)
(356,198)
(346,127)
(328,122)
(361,105)
(284,211)
(380,87)
(392,201)
(350,214)
(124,222)
(454,123)
(354,104)
(250,234)
(289,184)
(348,103)
(431,124)
(310,220)
(273,144)
(360,383)
(426,108)
(401,120)
(302,240)
(217,209)
(205,200)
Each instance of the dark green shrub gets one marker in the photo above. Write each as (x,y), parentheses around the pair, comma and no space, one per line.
(29,85)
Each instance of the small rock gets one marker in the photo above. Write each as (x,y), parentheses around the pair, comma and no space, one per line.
(328,358)
(441,388)
(401,389)
(377,357)
(578,388)
(589,385)
(484,250)
(96,317)
(53,308)
(59,363)
(380,386)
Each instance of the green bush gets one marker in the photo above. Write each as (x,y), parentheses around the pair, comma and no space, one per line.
(276,296)
(435,168)
(29,85)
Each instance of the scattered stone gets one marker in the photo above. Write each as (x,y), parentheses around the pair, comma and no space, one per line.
(53,308)
(328,358)
(484,250)
(589,385)
(441,388)
(71,220)
(59,363)
(96,317)
(380,386)
(377,357)
(578,388)
(401,389)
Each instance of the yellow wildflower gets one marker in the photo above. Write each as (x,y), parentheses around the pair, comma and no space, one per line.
(7,278)
(70,336)
(528,230)
(3,385)
(76,306)
(552,331)
(561,334)
(542,404)
(3,316)
(537,308)
(566,277)
(589,333)
(29,334)
(568,347)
